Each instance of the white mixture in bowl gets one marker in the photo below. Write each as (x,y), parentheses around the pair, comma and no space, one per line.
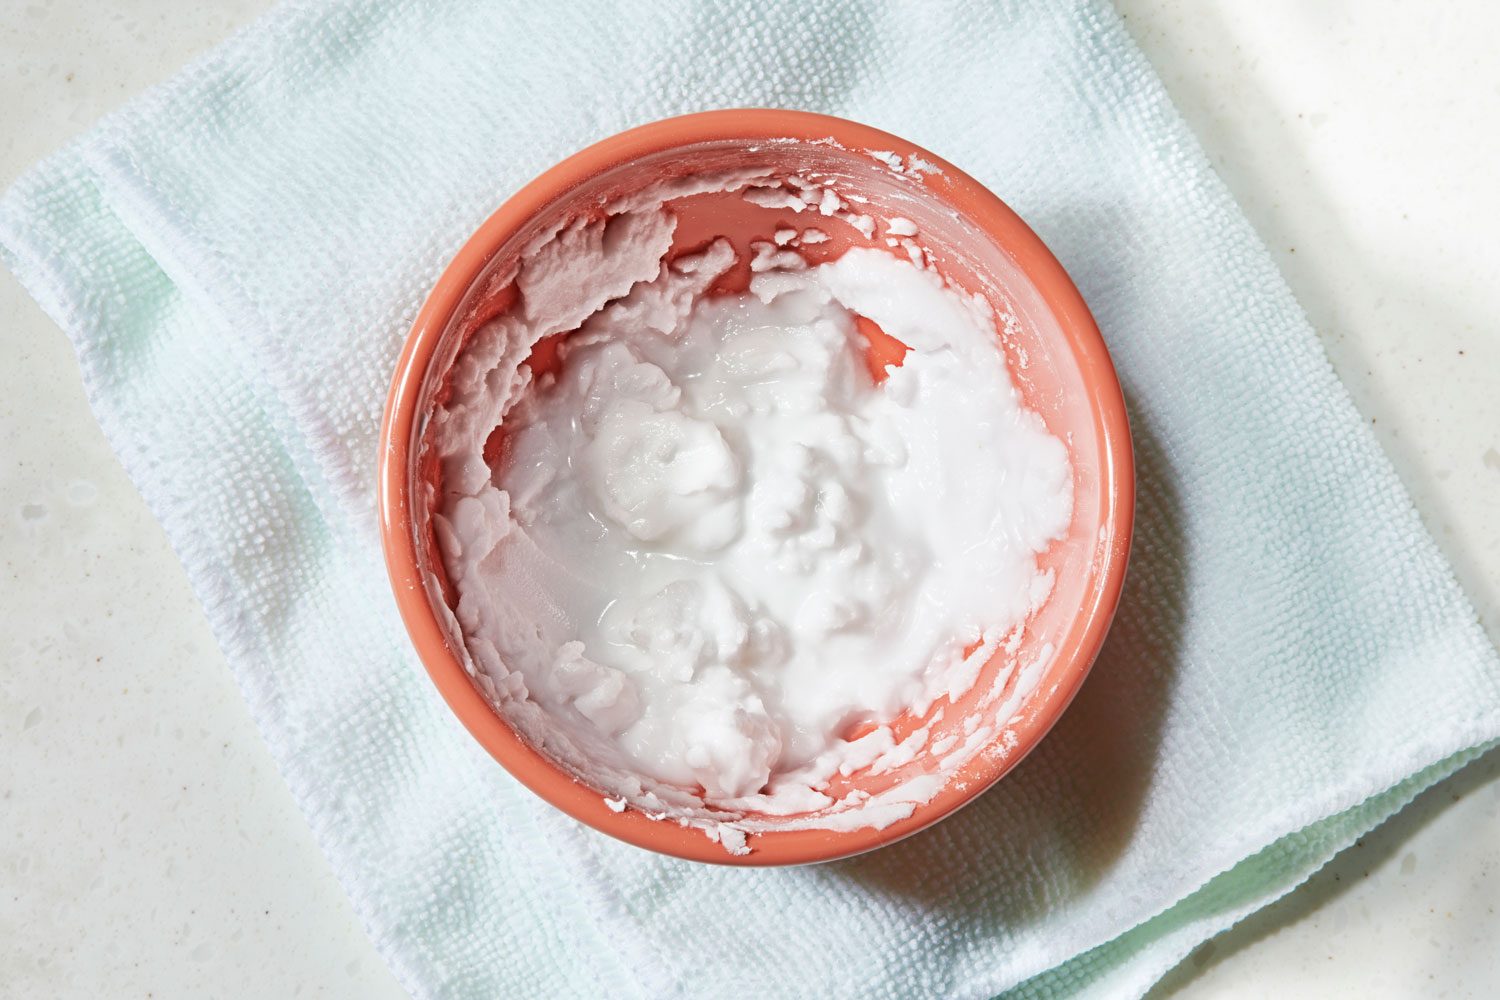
(716,554)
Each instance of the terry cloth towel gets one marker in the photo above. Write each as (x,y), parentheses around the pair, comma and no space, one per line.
(237,256)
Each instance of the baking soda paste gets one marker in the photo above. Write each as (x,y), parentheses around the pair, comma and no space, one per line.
(715,545)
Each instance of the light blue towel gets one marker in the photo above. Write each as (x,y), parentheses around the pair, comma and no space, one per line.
(237,256)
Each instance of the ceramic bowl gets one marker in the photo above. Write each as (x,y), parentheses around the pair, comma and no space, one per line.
(1057,359)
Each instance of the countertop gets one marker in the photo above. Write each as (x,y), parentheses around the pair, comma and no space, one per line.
(148,846)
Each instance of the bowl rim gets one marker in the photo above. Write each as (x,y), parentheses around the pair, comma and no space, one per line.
(395,501)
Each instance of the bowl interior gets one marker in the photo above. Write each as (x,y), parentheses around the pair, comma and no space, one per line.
(1056,362)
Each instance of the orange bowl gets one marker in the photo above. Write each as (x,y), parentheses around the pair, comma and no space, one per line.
(1055,353)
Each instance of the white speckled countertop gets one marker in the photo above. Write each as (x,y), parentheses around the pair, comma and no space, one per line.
(148,846)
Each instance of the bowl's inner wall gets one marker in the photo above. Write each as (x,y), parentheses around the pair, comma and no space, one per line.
(1044,364)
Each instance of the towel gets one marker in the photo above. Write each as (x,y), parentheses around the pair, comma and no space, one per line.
(236,258)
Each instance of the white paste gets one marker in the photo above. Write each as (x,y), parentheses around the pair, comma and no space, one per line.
(715,544)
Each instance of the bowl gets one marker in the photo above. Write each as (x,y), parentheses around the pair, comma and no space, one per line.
(1058,362)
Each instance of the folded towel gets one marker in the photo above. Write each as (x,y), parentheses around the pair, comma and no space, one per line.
(237,256)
